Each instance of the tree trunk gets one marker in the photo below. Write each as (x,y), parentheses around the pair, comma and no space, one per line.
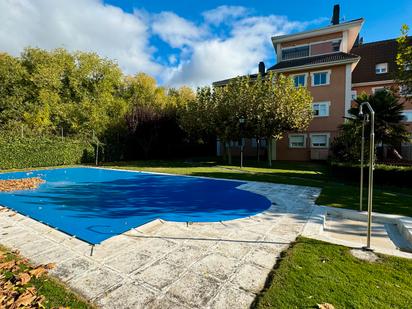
(258,149)
(269,146)
(229,154)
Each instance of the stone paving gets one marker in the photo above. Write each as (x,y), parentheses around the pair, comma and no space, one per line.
(168,264)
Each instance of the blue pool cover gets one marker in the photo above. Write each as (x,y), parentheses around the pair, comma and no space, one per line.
(94,204)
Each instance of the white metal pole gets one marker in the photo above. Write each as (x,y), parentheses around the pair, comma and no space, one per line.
(362,166)
(371,168)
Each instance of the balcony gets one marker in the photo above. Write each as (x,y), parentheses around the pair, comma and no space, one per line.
(312,49)
(297,52)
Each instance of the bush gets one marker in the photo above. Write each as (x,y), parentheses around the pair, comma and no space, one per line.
(22,152)
(383,174)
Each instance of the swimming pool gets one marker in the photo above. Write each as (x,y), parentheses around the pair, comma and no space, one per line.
(94,204)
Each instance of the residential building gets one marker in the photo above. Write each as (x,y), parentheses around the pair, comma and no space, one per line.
(334,65)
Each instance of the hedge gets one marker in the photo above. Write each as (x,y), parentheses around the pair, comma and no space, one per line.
(383,174)
(23,152)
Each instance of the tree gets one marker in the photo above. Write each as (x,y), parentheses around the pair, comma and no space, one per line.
(270,107)
(282,108)
(389,126)
(13,93)
(404,62)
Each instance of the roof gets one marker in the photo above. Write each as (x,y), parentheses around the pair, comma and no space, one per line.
(372,54)
(224,82)
(320,31)
(328,59)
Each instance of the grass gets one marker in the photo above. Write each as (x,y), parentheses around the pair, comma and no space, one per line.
(335,192)
(312,272)
(56,295)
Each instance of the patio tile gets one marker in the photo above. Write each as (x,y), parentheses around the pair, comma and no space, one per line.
(57,254)
(250,278)
(36,247)
(195,290)
(235,249)
(95,282)
(263,258)
(129,261)
(156,246)
(167,302)
(128,295)
(160,274)
(215,265)
(230,297)
(72,268)
(185,255)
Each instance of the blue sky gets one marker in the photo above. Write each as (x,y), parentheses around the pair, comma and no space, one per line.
(183,42)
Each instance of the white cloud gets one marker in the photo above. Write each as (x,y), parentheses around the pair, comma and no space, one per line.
(224,13)
(87,25)
(175,30)
(238,53)
(199,53)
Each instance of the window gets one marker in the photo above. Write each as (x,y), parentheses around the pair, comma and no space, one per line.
(336,45)
(319,140)
(381,68)
(408,115)
(321,109)
(299,80)
(295,52)
(378,89)
(297,141)
(320,78)
(354,94)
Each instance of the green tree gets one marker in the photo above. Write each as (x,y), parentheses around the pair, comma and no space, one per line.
(281,108)
(404,62)
(13,90)
(269,106)
(389,126)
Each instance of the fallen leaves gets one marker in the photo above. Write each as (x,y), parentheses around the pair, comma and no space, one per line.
(8,185)
(24,299)
(16,290)
(24,278)
(8,265)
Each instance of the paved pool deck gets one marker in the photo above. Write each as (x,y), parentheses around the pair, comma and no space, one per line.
(169,264)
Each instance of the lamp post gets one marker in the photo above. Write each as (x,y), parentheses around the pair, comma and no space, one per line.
(241,123)
(371,166)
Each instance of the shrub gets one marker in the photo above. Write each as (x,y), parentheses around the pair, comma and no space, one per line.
(22,152)
(383,174)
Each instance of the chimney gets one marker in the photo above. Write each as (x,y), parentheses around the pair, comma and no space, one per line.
(262,68)
(335,17)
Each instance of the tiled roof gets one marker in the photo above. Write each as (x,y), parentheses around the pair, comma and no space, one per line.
(224,82)
(372,54)
(314,60)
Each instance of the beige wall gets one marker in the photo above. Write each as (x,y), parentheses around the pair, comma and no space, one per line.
(335,94)
(318,38)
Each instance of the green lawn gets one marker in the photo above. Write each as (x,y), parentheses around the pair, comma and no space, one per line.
(312,272)
(335,192)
